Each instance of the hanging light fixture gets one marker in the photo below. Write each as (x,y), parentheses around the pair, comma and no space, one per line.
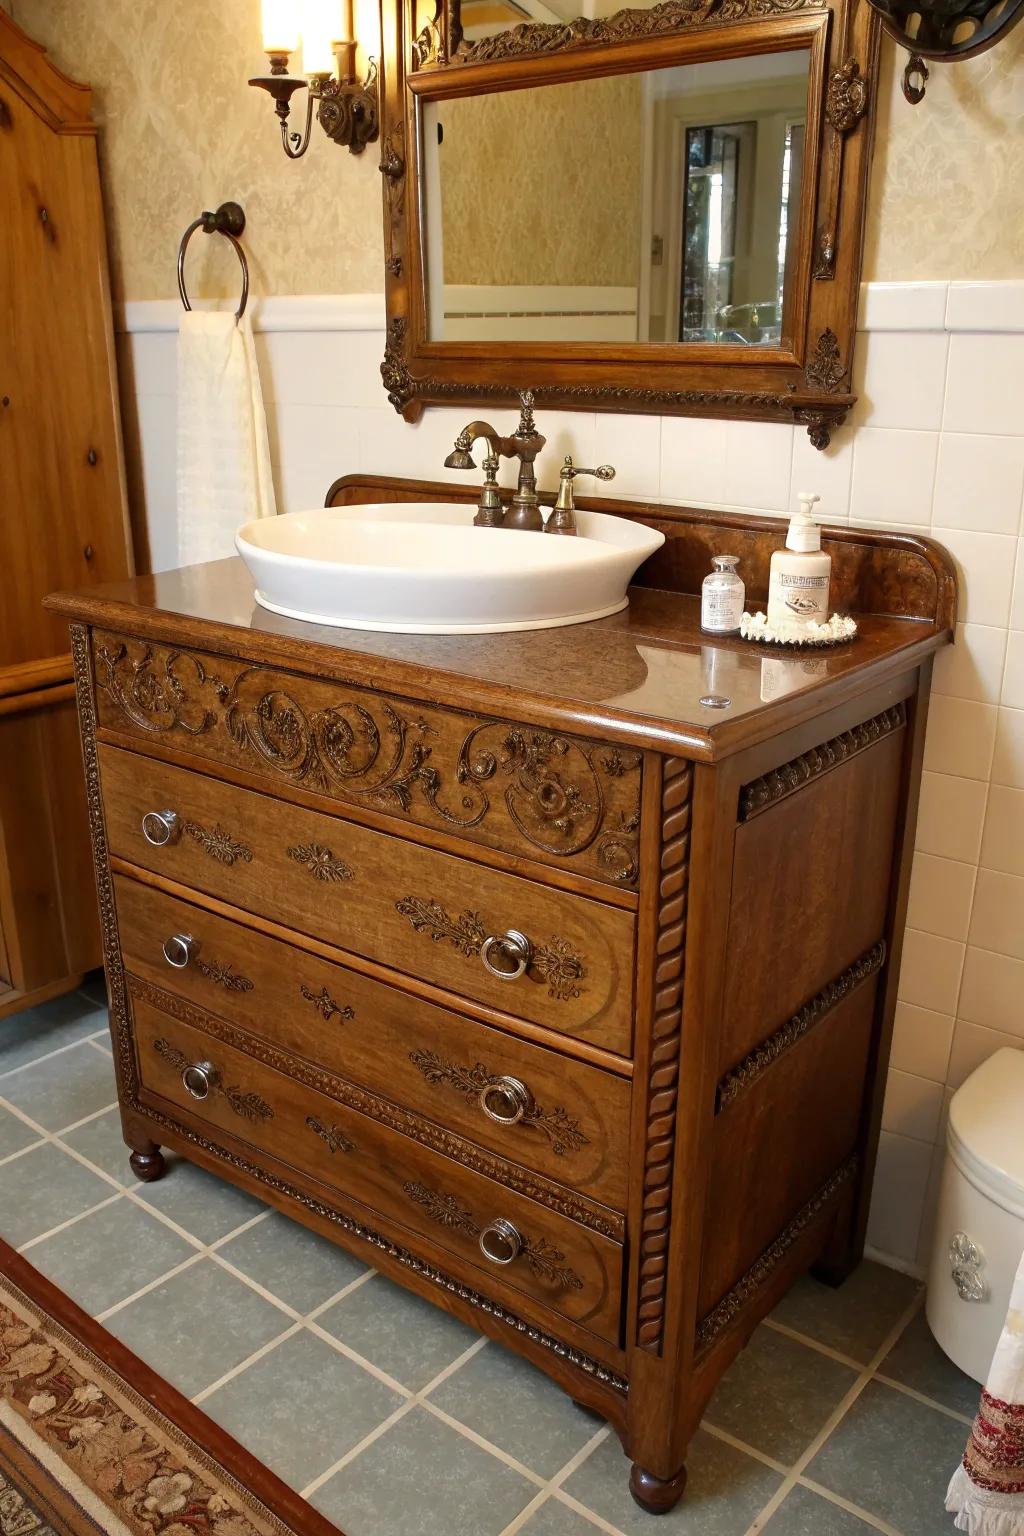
(347,107)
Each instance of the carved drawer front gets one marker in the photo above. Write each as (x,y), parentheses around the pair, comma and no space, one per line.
(506,1238)
(557,798)
(549,956)
(563,1118)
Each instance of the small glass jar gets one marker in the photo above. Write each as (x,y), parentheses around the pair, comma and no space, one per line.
(721,597)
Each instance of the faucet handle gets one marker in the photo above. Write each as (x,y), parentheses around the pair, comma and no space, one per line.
(563,518)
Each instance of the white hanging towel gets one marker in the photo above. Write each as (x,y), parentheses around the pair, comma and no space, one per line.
(986,1493)
(224,477)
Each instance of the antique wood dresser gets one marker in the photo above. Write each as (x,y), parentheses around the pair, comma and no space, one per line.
(507,961)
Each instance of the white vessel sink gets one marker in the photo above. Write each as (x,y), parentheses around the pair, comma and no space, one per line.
(422,568)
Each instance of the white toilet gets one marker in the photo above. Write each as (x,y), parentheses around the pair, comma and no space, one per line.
(979,1227)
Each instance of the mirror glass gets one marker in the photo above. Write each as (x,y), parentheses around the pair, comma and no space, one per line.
(658,206)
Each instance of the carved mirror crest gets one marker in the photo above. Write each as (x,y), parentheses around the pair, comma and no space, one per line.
(657,210)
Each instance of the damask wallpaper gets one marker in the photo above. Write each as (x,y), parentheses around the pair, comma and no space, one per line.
(583,208)
(181,131)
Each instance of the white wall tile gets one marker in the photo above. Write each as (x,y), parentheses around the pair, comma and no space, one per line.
(897,1198)
(973,667)
(900,380)
(950,817)
(997,917)
(921,1040)
(1017,598)
(632,446)
(1013,678)
(993,991)
(930,972)
(827,471)
(893,476)
(157,418)
(311,446)
(903,306)
(693,460)
(912,1106)
(153,359)
(984,563)
(322,368)
(1002,844)
(973,1044)
(960,737)
(940,896)
(758,461)
(979,482)
(986,306)
(1008,757)
(931,1198)
(983,385)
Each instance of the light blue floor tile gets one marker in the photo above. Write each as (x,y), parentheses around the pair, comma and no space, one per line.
(107,1256)
(64,1088)
(101,1141)
(557,1519)
(301,1407)
(207,1207)
(198,1325)
(803,1513)
(14,1135)
(854,1317)
(421,1478)
(777,1395)
(294,1264)
(26,1036)
(917,1361)
(42,1189)
(401,1333)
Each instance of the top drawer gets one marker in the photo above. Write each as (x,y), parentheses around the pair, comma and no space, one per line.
(409,907)
(541,795)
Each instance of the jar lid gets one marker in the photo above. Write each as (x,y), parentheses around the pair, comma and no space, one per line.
(725,562)
(986,1127)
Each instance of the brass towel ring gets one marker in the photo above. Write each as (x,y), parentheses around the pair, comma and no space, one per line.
(229,221)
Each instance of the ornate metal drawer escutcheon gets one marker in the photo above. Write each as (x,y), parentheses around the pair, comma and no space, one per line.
(325,1005)
(561,1130)
(222,975)
(320,862)
(557,963)
(545,1261)
(336,1140)
(219,844)
(248,1104)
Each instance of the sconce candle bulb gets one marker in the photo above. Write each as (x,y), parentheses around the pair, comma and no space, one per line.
(280,28)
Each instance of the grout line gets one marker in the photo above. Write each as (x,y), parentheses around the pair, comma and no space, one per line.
(72,1221)
(13,1156)
(353,1354)
(243,1365)
(838,1413)
(574,1504)
(921,1397)
(346,1290)
(484,1444)
(875,1521)
(744,1446)
(76,1124)
(97,1045)
(553,1485)
(393,1418)
(815,1344)
(151,1285)
(59,1050)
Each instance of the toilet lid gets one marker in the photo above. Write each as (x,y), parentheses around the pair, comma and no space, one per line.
(986,1127)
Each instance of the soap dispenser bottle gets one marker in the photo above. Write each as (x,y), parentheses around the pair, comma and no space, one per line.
(799,580)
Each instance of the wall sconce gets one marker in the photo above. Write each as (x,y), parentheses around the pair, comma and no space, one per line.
(944,30)
(347,110)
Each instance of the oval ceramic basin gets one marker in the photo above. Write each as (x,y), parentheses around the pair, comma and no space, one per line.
(422,568)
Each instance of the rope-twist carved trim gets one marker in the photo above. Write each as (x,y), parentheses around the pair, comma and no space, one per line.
(663,1085)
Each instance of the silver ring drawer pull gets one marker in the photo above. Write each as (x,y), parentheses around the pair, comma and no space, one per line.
(515,946)
(199,1079)
(179,949)
(500,1242)
(161,827)
(505,1101)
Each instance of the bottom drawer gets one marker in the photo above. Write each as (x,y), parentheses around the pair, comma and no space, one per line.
(560,1263)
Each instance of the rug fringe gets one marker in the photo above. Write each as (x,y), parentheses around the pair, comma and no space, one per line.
(980,1512)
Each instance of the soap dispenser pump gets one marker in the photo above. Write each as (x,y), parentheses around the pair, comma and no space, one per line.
(798,583)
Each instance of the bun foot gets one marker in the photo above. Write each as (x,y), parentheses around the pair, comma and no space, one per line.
(655,1494)
(147,1166)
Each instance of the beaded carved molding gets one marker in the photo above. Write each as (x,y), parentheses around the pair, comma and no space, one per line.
(127,1077)
(537,793)
(760,794)
(666,1035)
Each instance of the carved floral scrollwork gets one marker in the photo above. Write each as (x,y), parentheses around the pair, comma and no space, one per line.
(155,693)
(220,845)
(320,862)
(556,963)
(545,1260)
(335,1139)
(246,1103)
(846,99)
(561,1130)
(325,1005)
(222,974)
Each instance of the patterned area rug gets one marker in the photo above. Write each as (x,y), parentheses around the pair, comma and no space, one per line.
(92,1440)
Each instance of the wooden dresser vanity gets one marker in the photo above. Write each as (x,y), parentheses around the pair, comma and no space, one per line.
(556,993)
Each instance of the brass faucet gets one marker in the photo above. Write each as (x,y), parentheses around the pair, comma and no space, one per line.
(563,518)
(524,444)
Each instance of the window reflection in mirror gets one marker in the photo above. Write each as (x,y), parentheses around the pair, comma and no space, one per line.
(658,206)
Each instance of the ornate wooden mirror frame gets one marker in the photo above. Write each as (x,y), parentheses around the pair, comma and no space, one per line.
(807,382)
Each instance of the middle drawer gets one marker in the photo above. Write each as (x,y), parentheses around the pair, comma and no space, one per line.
(425,913)
(563,1118)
